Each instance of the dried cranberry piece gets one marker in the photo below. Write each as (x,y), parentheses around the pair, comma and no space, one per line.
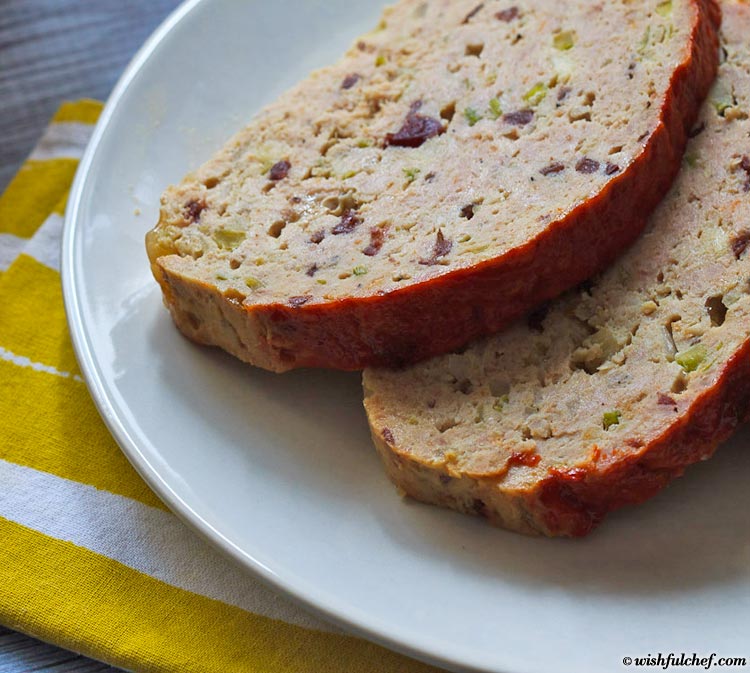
(611,169)
(740,243)
(377,237)
(665,400)
(415,130)
(279,170)
(299,301)
(519,117)
(317,236)
(193,209)
(508,15)
(587,165)
(350,81)
(347,224)
(553,168)
(440,249)
(745,166)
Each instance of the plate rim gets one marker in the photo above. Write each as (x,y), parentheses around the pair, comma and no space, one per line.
(354,624)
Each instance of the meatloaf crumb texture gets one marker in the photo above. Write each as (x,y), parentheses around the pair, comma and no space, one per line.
(603,397)
(461,163)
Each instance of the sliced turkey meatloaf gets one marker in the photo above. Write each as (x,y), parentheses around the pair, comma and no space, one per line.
(601,399)
(460,164)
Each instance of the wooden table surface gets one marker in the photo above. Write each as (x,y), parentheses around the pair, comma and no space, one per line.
(50,51)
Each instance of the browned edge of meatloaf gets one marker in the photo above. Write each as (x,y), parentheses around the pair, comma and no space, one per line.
(570,503)
(573,502)
(445,313)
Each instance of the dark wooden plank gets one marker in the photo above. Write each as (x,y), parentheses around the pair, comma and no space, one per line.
(50,51)
(21,654)
(53,50)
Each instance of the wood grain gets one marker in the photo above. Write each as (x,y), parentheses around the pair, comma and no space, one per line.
(50,51)
(21,654)
(55,50)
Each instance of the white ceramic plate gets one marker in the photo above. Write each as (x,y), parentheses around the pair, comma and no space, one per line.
(279,472)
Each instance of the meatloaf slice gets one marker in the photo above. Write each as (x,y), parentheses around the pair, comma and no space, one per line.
(601,399)
(462,163)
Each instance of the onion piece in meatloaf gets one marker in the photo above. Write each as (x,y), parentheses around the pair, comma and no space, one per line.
(462,163)
(603,398)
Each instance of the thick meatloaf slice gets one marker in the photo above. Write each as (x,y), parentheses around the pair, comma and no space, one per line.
(603,398)
(460,164)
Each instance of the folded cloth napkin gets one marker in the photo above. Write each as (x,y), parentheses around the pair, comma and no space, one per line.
(90,559)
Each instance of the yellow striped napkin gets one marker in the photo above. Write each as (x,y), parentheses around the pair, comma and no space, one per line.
(90,559)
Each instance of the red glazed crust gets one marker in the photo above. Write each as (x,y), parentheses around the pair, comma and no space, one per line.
(573,503)
(621,385)
(446,312)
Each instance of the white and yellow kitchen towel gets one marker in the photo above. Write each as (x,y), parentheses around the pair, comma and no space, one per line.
(90,559)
